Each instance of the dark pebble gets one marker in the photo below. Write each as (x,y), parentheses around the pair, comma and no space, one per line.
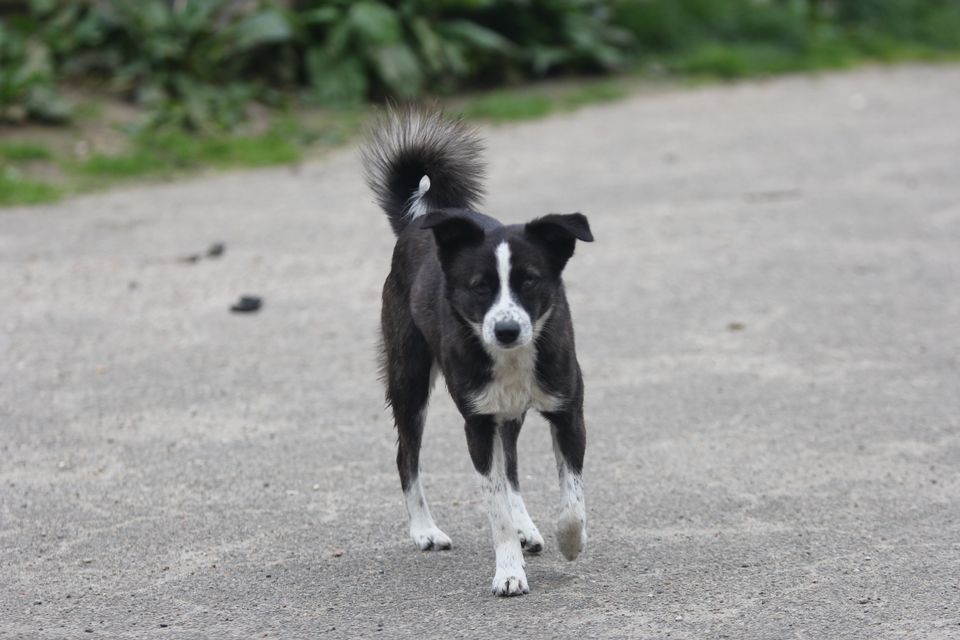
(247,304)
(216,250)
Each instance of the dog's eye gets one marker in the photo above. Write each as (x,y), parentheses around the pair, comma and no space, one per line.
(529,282)
(479,287)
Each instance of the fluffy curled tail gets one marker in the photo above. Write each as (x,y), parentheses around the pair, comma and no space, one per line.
(416,160)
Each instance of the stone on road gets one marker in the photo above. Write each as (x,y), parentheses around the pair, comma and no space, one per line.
(768,323)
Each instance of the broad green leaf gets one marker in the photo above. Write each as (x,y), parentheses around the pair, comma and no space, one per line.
(320,15)
(45,105)
(398,69)
(375,22)
(269,26)
(335,80)
(475,35)
(432,48)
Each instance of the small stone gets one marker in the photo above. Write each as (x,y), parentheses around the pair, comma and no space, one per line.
(247,304)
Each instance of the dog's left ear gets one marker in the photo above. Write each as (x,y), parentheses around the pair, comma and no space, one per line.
(559,234)
(453,232)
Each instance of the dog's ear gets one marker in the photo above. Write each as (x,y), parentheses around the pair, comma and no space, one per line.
(559,233)
(453,232)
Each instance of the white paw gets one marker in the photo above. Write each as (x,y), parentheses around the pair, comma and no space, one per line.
(530,539)
(428,538)
(571,535)
(510,583)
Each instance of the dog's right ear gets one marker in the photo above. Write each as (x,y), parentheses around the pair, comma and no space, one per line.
(452,232)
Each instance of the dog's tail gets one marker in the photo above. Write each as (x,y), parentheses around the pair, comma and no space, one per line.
(416,160)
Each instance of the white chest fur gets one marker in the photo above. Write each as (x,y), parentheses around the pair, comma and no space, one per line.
(513,388)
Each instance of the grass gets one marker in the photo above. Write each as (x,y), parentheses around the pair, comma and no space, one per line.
(164,155)
(507,105)
(727,44)
(172,153)
(18,152)
(720,61)
(16,190)
(15,187)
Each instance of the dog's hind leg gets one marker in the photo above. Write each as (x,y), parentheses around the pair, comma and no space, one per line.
(530,538)
(409,372)
(487,453)
(569,444)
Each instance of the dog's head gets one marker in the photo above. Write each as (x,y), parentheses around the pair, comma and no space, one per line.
(503,281)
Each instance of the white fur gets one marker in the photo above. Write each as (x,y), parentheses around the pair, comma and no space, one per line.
(424,531)
(417,204)
(506,307)
(530,537)
(510,578)
(513,388)
(572,524)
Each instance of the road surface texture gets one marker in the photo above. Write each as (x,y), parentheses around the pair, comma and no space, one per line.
(768,324)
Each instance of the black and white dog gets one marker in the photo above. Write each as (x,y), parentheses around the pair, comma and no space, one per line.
(484,304)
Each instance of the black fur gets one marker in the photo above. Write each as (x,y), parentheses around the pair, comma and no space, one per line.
(444,280)
(408,143)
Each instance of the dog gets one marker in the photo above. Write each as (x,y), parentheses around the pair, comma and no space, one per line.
(483,303)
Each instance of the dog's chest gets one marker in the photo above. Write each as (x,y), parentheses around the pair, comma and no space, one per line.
(513,387)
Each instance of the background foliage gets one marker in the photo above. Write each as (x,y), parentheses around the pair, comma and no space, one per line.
(198,64)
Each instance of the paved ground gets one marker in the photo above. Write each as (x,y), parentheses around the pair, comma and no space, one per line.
(769,326)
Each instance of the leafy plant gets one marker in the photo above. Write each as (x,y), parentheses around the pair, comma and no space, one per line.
(26,80)
(356,50)
(185,60)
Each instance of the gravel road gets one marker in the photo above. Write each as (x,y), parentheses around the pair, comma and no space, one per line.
(769,328)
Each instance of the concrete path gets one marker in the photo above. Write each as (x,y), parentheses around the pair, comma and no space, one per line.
(768,323)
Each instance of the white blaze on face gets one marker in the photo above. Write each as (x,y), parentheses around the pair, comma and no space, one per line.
(506,307)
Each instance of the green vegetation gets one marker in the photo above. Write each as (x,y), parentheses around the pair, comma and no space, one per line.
(171,153)
(594,94)
(198,64)
(197,70)
(15,189)
(164,154)
(503,106)
(24,152)
(740,38)
(526,104)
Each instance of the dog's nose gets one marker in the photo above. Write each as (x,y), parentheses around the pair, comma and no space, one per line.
(507,331)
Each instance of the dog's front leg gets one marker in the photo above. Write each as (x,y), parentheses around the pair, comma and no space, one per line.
(569,445)
(486,451)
